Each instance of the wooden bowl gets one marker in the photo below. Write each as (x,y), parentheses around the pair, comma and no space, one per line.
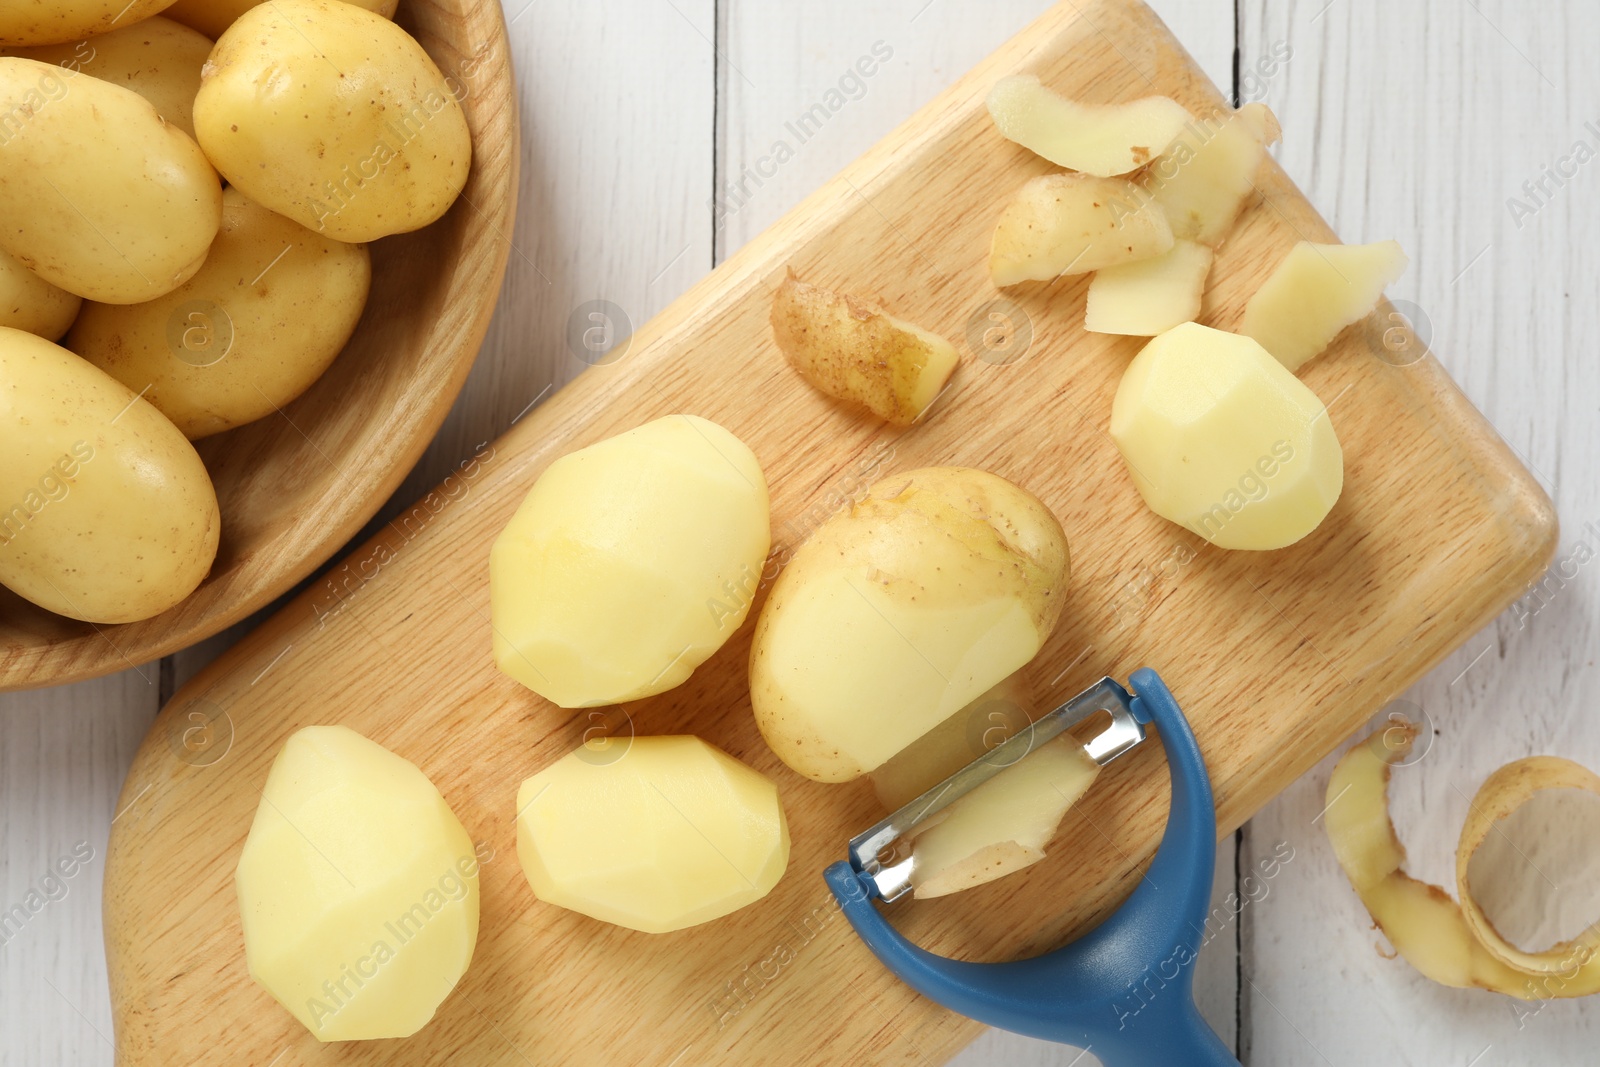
(295,488)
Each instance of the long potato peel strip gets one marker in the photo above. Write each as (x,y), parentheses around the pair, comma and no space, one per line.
(1452,943)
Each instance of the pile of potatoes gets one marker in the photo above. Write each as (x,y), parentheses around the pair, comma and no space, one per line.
(189,220)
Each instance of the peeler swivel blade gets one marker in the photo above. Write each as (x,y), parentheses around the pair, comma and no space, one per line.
(1124,990)
(874,854)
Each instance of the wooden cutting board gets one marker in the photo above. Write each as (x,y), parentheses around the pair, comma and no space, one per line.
(1277,657)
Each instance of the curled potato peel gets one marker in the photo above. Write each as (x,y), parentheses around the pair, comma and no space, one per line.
(1450,940)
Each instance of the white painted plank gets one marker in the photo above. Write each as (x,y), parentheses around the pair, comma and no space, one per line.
(63,755)
(1420,121)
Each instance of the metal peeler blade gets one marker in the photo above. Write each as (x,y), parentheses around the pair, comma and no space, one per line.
(1124,990)
(874,853)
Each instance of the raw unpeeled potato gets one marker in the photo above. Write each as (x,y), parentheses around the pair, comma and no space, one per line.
(110,515)
(629,563)
(1004,824)
(1099,139)
(652,833)
(900,610)
(1152,296)
(1316,292)
(101,196)
(1073,224)
(257,326)
(856,351)
(159,59)
(31,22)
(28,302)
(1221,439)
(213,17)
(1202,181)
(335,117)
(358,889)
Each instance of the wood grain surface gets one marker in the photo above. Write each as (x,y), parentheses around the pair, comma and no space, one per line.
(296,486)
(1277,657)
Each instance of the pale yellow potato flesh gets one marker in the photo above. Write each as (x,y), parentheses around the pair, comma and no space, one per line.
(28,302)
(651,833)
(629,563)
(1100,139)
(1221,439)
(333,116)
(106,512)
(1315,292)
(855,351)
(102,197)
(989,720)
(1152,296)
(897,612)
(213,17)
(159,59)
(1449,942)
(1004,824)
(55,21)
(1203,179)
(1073,224)
(358,889)
(257,326)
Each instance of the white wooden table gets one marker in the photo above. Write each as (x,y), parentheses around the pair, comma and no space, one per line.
(1418,120)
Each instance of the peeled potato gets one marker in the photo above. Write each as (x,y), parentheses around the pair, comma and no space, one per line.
(31,22)
(108,514)
(1100,139)
(899,611)
(1221,439)
(212,17)
(1073,224)
(28,302)
(1152,296)
(335,117)
(159,59)
(358,889)
(1004,824)
(256,327)
(651,833)
(629,563)
(101,196)
(855,351)
(1316,292)
(1202,180)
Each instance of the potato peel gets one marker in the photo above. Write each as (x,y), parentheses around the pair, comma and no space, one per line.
(1450,941)
(1004,824)
(855,351)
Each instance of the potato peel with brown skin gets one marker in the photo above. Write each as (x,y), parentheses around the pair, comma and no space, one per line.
(857,352)
(1452,943)
(1067,224)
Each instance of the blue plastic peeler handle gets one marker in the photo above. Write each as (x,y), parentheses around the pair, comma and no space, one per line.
(1125,990)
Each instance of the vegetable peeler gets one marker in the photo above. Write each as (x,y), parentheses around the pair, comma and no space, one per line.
(1125,990)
